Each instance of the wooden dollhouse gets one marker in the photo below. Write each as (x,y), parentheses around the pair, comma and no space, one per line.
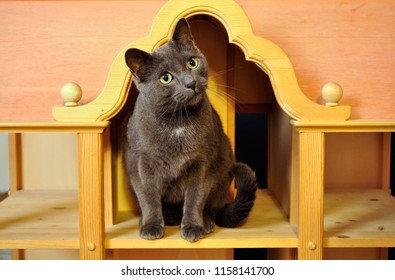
(296,213)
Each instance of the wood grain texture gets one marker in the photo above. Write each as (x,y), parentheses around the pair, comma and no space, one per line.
(40,219)
(350,42)
(280,160)
(265,54)
(354,160)
(325,40)
(359,218)
(51,127)
(44,44)
(91,197)
(311,195)
(27,216)
(59,170)
(15,161)
(266,227)
(172,254)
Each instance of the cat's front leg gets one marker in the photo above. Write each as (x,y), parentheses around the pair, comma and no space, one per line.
(152,227)
(192,224)
(152,222)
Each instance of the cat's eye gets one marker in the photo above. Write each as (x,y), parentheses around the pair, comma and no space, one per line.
(192,63)
(166,78)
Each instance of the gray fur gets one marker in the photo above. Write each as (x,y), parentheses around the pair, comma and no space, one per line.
(178,159)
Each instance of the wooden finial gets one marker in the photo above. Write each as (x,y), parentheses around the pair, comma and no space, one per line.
(332,93)
(71,94)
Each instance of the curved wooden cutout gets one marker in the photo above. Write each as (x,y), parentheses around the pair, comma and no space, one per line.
(264,53)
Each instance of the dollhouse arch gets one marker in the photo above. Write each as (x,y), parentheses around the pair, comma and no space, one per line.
(264,53)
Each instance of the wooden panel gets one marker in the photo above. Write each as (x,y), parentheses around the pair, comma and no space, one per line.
(44,44)
(354,254)
(173,254)
(351,42)
(280,167)
(47,43)
(354,160)
(251,84)
(51,254)
(108,175)
(49,161)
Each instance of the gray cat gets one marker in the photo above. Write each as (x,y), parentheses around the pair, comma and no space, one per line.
(178,159)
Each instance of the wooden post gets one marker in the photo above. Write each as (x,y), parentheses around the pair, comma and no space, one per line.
(108,188)
(91,178)
(15,161)
(311,195)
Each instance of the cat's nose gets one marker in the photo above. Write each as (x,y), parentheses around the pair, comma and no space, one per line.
(190,83)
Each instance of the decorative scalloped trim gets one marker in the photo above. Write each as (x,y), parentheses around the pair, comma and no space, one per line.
(264,53)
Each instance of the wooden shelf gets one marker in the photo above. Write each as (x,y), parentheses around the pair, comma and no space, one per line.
(346,126)
(53,127)
(266,228)
(40,219)
(359,218)
(49,219)
(32,219)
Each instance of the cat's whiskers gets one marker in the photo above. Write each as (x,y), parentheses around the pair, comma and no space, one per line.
(223,93)
(217,88)
(163,113)
(179,129)
(180,122)
(186,112)
(225,96)
(164,109)
(219,72)
(228,87)
(174,112)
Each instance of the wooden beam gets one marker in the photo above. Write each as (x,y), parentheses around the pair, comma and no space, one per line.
(311,195)
(91,178)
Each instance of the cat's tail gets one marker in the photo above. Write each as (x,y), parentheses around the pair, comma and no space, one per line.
(235,213)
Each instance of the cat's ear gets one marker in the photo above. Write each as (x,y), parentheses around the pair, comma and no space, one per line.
(182,33)
(138,61)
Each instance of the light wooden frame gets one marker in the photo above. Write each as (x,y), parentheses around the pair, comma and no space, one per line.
(264,53)
(312,123)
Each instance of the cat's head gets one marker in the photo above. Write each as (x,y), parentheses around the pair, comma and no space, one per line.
(173,75)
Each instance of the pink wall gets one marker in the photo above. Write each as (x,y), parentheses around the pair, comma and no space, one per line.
(44,44)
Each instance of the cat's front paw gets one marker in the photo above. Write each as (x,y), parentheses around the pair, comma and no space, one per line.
(192,233)
(151,232)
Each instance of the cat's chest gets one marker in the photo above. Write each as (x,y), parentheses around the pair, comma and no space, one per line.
(182,144)
(179,132)
(187,138)
(175,157)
